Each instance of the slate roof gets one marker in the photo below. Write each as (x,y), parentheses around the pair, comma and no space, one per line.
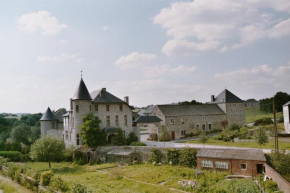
(241,154)
(141,112)
(134,114)
(58,115)
(103,96)
(149,110)
(82,92)
(287,104)
(189,110)
(111,129)
(48,116)
(147,119)
(227,97)
(251,100)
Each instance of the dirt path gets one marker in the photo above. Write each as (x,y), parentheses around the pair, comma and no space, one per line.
(18,187)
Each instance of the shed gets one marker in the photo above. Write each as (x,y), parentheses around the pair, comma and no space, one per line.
(121,155)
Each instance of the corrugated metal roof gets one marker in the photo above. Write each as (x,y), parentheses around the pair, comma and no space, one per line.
(82,92)
(147,119)
(241,154)
(227,97)
(187,110)
(48,116)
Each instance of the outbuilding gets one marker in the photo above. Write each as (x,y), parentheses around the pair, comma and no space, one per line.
(248,162)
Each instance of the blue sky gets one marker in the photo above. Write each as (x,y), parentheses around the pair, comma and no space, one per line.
(156,52)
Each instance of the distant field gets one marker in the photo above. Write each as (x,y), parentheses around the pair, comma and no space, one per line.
(270,145)
(13,117)
(253,113)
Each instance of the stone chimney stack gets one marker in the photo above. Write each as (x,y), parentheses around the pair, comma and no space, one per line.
(126,99)
(212,98)
(102,92)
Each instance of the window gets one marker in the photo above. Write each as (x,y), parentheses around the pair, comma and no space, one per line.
(206,164)
(66,135)
(203,126)
(221,165)
(108,120)
(96,107)
(125,120)
(53,125)
(90,108)
(117,120)
(183,132)
(121,107)
(196,118)
(244,166)
(107,107)
(78,139)
(172,121)
(197,126)
(203,118)
(182,121)
(77,108)
(209,126)
(209,117)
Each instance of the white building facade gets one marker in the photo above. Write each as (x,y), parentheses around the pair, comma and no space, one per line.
(286,115)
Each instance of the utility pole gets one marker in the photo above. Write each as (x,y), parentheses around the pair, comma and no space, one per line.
(275,128)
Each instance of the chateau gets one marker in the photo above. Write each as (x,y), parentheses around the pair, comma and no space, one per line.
(113,112)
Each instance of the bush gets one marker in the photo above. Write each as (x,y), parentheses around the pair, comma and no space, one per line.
(263,121)
(80,158)
(79,188)
(188,157)
(153,137)
(11,155)
(172,156)
(132,138)
(45,177)
(58,184)
(155,156)
(138,144)
(271,186)
(235,127)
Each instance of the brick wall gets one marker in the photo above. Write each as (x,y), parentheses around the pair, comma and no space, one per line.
(283,184)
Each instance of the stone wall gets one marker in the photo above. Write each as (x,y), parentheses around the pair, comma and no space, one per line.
(283,184)
(236,113)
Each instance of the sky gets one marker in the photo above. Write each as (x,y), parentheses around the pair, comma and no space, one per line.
(154,51)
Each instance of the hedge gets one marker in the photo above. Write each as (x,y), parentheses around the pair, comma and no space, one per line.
(11,155)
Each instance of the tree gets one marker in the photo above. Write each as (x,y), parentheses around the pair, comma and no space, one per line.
(203,138)
(47,149)
(281,162)
(91,133)
(224,124)
(165,135)
(120,138)
(21,134)
(35,133)
(132,138)
(261,136)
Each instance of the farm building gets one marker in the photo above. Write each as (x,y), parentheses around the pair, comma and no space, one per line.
(235,161)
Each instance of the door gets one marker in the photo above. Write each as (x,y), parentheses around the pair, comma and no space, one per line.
(260,168)
(172,135)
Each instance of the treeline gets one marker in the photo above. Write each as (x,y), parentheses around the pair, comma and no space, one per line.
(193,102)
(280,99)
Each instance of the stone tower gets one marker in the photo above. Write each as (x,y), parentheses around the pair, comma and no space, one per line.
(81,105)
(47,122)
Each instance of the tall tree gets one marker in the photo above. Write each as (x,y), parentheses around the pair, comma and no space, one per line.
(21,134)
(47,149)
(91,133)
(120,138)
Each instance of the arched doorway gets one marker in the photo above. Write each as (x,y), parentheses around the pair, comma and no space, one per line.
(111,138)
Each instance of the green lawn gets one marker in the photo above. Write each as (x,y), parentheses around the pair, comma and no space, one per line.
(253,113)
(135,178)
(270,145)
(8,186)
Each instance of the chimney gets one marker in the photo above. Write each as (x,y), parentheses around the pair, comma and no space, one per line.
(212,98)
(126,99)
(102,92)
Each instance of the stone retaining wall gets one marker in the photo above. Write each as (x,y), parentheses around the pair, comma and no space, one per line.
(283,184)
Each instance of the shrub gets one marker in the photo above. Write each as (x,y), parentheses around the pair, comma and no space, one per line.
(153,137)
(45,177)
(263,121)
(12,155)
(79,188)
(138,144)
(235,127)
(172,156)
(155,156)
(188,157)
(132,138)
(164,135)
(58,184)
(80,158)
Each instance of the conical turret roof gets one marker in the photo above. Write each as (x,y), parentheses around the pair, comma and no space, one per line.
(48,116)
(82,92)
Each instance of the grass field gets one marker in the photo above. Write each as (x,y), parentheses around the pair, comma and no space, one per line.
(8,186)
(135,178)
(270,145)
(253,113)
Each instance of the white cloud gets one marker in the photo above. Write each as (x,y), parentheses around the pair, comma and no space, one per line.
(227,23)
(104,28)
(49,25)
(160,70)
(134,60)
(61,58)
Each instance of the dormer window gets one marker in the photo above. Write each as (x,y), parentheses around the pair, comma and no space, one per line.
(107,107)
